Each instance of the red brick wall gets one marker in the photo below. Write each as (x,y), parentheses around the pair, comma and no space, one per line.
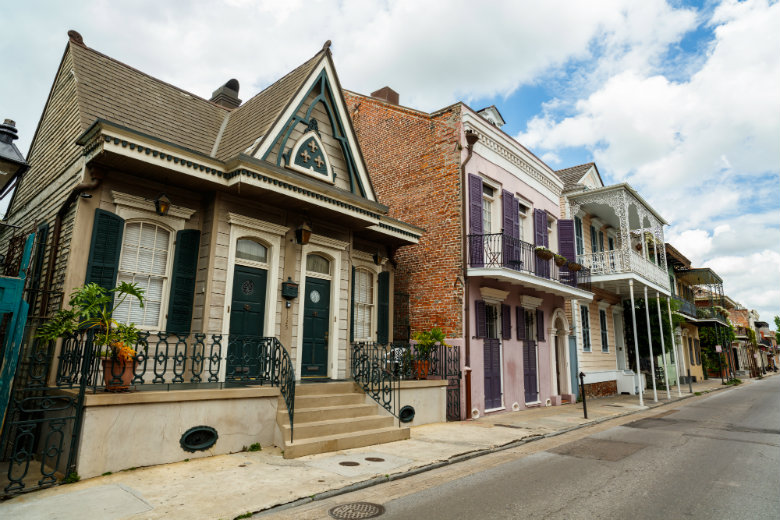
(414,162)
(602,389)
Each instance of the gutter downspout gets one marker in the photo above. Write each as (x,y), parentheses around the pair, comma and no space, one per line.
(97,178)
(471,139)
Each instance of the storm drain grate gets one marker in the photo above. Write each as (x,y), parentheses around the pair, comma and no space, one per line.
(356,510)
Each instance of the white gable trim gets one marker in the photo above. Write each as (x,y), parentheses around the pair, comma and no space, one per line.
(328,177)
(341,109)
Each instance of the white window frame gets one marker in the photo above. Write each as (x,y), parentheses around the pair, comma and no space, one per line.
(585,313)
(488,208)
(524,217)
(166,285)
(364,261)
(132,208)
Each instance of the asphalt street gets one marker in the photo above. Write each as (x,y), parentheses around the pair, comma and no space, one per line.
(717,457)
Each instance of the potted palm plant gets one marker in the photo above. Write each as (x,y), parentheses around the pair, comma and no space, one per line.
(426,342)
(92,307)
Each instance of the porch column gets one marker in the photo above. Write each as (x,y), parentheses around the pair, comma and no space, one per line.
(650,344)
(553,343)
(663,347)
(674,347)
(636,346)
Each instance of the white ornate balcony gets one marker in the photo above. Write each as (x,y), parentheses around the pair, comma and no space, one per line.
(638,235)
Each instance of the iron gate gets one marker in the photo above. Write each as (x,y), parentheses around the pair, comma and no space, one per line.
(38,444)
(453,374)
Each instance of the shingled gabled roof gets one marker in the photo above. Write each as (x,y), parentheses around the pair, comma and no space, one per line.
(572,176)
(111,90)
(254,118)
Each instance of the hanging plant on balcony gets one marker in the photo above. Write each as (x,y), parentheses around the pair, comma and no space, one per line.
(574,266)
(560,261)
(543,253)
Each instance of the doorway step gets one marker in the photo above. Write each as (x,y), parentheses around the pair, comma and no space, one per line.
(335,416)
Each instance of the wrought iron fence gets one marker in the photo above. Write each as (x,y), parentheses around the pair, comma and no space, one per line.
(379,370)
(711,313)
(169,361)
(686,306)
(498,250)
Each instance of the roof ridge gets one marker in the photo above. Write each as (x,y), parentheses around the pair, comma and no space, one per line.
(147,75)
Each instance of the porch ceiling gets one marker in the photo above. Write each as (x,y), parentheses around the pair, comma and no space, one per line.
(531,281)
(700,276)
(619,284)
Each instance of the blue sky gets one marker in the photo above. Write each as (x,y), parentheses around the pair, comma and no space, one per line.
(678,98)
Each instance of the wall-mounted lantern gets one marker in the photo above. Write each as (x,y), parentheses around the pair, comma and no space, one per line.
(302,234)
(162,204)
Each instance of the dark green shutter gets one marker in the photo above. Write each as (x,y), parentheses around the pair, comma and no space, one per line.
(352,309)
(103,263)
(383,309)
(185,268)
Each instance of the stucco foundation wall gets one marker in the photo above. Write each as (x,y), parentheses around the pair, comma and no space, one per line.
(121,431)
(429,399)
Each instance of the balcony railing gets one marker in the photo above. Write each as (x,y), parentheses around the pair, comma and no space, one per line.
(686,307)
(500,251)
(617,261)
(711,313)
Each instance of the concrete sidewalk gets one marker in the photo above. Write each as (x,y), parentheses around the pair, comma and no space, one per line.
(226,486)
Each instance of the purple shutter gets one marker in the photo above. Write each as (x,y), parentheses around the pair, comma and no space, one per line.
(520,323)
(540,324)
(481,318)
(476,249)
(506,322)
(509,206)
(540,238)
(567,247)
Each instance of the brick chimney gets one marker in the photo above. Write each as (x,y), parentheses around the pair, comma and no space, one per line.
(227,95)
(386,94)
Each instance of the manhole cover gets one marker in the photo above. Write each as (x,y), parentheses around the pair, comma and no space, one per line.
(375,459)
(356,510)
(349,463)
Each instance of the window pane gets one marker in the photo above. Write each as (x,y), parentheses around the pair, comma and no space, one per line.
(144,261)
(364,299)
(317,264)
(251,250)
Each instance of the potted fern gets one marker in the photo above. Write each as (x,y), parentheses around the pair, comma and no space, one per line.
(92,307)
(426,341)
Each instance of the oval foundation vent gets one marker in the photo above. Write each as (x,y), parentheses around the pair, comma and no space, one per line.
(198,438)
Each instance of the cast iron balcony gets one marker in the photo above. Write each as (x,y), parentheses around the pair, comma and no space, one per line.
(501,251)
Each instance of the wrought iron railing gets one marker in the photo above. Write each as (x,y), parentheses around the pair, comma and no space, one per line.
(617,261)
(168,361)
(498,250)
(379,369)
(370,371)
(711,313)
(686,306)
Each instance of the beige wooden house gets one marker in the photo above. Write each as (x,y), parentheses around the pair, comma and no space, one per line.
(272,230)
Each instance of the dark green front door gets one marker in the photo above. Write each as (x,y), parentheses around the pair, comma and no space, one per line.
(247,310)
(314,358)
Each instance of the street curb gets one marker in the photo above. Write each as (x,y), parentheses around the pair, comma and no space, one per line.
(357,486)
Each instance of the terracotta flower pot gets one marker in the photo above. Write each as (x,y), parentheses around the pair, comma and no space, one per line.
(117,374)
(420,369)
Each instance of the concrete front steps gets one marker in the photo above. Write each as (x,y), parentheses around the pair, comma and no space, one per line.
(335,416)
